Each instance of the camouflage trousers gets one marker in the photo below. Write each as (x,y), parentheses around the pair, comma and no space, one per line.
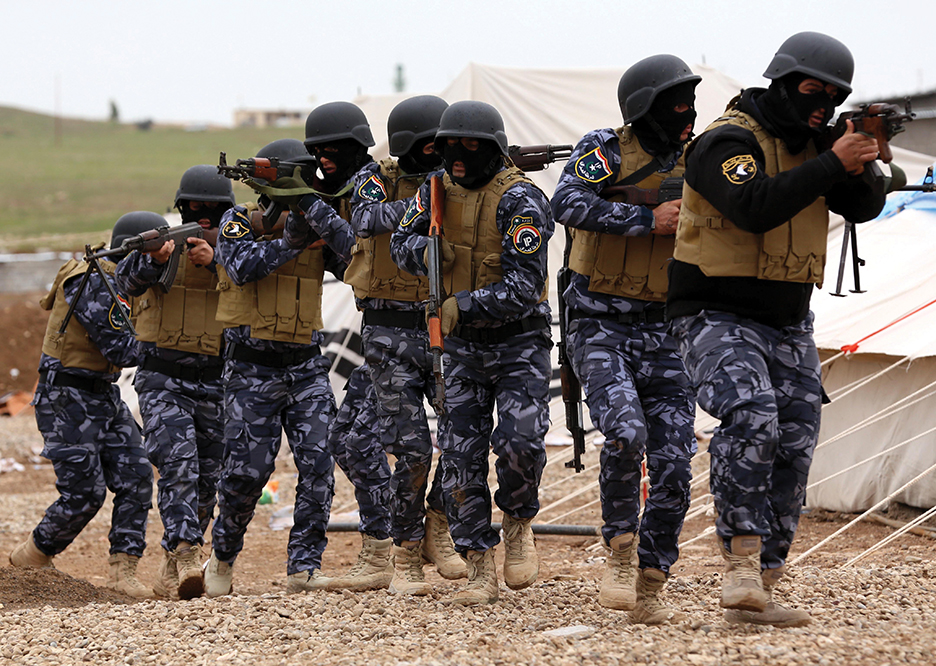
(764,384)
(183,435)
(512,377)
(354,442)
(94,446)
(401,376)
(638,394)
(260,403)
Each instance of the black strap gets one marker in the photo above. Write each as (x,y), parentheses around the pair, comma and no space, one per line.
(272,359)
(657,316)
(646,170)
(412,319)
(211,373)
(87,384)
(493,336)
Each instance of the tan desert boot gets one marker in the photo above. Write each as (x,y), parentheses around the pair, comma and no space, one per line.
(482,579)
(27,554)
(167,578)
(408,577)
(123,578)
(219,577)
(773,614)
(619,583)
(438,548)
(306,581)
(189,568)
(373,570)
(521,564)
(742,587)
(650,609)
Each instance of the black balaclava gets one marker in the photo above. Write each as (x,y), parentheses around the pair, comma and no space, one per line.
(349,158)
(788,110)
(659,130)
(213,215)
(416,161)
(481,165)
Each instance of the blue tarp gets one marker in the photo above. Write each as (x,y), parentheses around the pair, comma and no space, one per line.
(917,200)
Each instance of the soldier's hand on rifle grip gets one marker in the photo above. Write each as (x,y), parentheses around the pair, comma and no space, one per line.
(666,218)
(201,252)
(449,315)
(855,149)
(448,255)
(162,255)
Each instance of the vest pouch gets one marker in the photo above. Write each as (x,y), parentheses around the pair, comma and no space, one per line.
(193,325)
(263,324)
(173,305)
(610,252)
(459,278)
(310,317)
(490,271)
(359,269)
(210,342)
(658,279)
(287,306)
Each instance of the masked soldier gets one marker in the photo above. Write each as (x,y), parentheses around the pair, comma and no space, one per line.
(635,382)
(89,433)
(276,379)
(497,225)
(179,378)
(750,247)
(338,136)
(396,345)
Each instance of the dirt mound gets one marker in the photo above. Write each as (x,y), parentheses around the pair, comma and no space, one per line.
(22,325)
(35,588)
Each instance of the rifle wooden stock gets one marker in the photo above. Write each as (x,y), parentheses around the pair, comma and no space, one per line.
(537,158)
(434,302)
(879,120)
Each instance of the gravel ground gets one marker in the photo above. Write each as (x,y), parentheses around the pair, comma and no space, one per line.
(877,613)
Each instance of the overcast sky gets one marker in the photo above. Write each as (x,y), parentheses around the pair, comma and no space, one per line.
(196,61)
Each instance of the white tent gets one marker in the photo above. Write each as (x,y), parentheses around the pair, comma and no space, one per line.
(883,392)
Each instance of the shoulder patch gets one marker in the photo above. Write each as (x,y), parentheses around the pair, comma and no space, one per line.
(593,167)
(237,227)
(416,207)
(114,317)
(527,239)
(373,190)
(739,169)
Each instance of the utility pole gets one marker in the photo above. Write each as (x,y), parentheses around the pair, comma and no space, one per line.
(399,81)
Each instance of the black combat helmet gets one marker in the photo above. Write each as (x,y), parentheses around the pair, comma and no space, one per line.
(287,150)
(335,121)
(816,55)
(204,183)
(135,223)
(646,79)
(414,119)
(476,120)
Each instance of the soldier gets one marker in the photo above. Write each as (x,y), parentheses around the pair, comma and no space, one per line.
(179,379)
(275,379)
(750,247)
(497,225)
(89,433)
(338,135)
(635,383)
(396,346)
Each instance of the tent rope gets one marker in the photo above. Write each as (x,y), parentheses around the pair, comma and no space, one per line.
(922,518)
(852,348)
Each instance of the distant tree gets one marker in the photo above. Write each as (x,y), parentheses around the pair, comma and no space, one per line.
(114,113)
(399,81)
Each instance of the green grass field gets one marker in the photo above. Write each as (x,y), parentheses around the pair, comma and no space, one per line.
(101,171)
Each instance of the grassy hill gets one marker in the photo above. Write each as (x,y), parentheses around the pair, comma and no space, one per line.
(100,171)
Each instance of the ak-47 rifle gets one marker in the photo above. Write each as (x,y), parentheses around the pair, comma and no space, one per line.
(879,120)
(571,387)
(670,190)
(268,169)
(152,240)
(537,158)
(436,295)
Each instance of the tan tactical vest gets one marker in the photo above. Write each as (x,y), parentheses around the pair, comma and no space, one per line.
(285,306)
(372,272)
(793,252)
(470,225)
(74,349)
(631,266)
(184,318)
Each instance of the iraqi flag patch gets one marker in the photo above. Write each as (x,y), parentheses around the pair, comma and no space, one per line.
(416,208)
(527,239)
(373,190)
(114,317)
(593,167)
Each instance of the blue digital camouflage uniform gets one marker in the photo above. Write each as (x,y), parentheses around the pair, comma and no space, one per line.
(635,383)
(260,402)
(511,376)
(765,385)
(400,372)
(91,438)
(354,442)
(182,422)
